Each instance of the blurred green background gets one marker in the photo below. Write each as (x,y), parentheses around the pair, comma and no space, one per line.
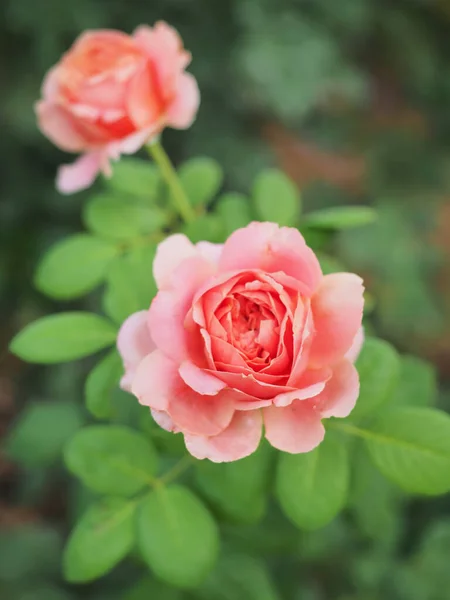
(351,99)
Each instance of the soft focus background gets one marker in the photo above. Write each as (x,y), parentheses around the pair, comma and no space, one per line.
(351,99)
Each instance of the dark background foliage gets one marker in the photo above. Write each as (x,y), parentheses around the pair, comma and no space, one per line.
(351,99)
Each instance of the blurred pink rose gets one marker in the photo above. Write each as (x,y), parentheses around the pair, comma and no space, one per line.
(244,335)
(111,93)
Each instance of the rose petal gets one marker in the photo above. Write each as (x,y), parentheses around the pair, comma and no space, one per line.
(296,428)
(270,248)
(340,393)
(199,380)
(200,415)
(59,126)
(309,392)
(164,421)
(183,109)
(154,380)
(211,252)
(337,313)
(170,253)
(80,175)
(133,343)
(241,438)
(356,346)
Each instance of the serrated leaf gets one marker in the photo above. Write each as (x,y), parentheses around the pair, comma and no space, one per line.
(411,446)
(237,489)
(234,211)
(341,217)
(42,429)
(312,487)
(177,536)
(276,198)
(100,383)
(130,285)
(135,177)
(101,539)
(63,337)
(122,218)
(74,266)
(378,366)
(201,179)
(111,459)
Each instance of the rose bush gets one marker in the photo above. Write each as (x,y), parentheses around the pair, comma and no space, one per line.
(110,93)
(242,335)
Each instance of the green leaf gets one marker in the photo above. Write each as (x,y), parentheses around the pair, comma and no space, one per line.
(38,437)
(201,179)
(237,489)
(135,177)
(341,217)
(122,218)
(378,366)
(100,383)
(111,459)
(101,539)
(63,337)
(205,227)
(239,577)
(312,488)
(177,536)
(329,264)
(234,211)
(417,384)
(74,266)
(130,284)
(151,589)
(411,446)
(276,198)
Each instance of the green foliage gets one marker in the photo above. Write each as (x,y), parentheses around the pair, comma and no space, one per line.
(276,198)
(101,382)
(417,384)
(41,431)
(378,367)
(177,536)
(411,446)
(111,459)
(237,489)
(121,217)
(151,588)
(342,217)
(74,266)
(205,227)
(201,179)
(130,285)
(312,488)
(103,536)
(234,211)
(135,177)
(63,337)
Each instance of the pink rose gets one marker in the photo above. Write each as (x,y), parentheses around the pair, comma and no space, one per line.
(111,93)
(244,335)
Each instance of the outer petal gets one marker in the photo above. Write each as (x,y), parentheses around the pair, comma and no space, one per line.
(296,428)
(164,421)
(271,248)
(170,253)
(81,174)
(154,380)
(200,381)
(133,343)
(356,347)
(337,309)
(144,103)
(303,394)
(211,252)
(341,392)
(241,438)
(58,125)
(183,109)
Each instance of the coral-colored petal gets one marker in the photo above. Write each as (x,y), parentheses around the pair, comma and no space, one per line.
(60,127)
(80,175)
(183,109)
(287,398)
(144,103)
(164,421)
(296,428)
(154,380)
(270,248)
(340,393)
(170,253)
(133,343)
(337,313)
(356,346)
(241,438)
(199,380)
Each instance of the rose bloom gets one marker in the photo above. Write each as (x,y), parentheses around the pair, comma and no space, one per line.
(111,93)
(242,335)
